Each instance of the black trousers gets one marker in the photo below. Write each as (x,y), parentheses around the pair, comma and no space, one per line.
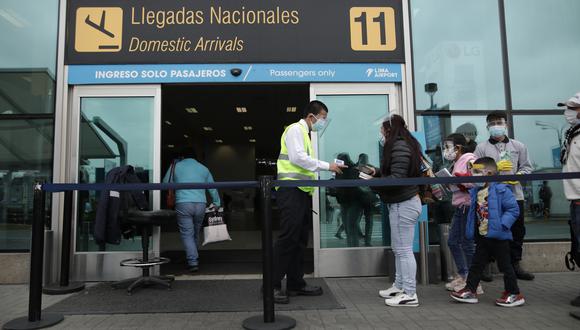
(295,223)
(498,249)
(518,232)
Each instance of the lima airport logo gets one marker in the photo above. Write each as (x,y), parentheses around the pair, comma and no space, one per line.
(379,72)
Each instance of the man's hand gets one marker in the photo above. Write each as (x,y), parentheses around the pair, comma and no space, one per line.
(505,165)
(334,167)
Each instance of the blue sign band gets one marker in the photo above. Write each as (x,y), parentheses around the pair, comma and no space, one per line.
(221,73)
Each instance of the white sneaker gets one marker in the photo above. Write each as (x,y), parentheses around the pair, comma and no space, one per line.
(458,281)
(403,300)
(390,292)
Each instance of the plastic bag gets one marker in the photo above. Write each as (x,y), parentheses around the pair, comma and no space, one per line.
(214,226)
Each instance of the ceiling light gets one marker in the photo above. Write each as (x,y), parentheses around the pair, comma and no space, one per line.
(291,109)
(253,140)
(241,109)
(207,128)
(170,146)
(248,128)
(219,141)
(191,110)
(168,122)
(185,136)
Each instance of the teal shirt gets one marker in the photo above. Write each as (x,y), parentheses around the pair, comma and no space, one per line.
(190,170)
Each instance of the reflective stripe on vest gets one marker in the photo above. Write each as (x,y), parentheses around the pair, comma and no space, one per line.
(289,171)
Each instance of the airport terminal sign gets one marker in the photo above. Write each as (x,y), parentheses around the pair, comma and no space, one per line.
(227,31)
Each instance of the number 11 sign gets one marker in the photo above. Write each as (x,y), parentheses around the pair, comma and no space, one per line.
(372,29)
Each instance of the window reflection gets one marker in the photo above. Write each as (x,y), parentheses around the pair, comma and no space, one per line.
(543,46)
(352,216)
(456,44)
(25,158)
(113,132)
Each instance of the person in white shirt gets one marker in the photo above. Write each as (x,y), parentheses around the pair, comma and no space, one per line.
(297,162)
(570,158)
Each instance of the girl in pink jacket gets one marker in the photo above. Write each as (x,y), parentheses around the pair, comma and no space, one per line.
(457,150)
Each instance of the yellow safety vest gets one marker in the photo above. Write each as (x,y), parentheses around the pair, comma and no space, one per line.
(290,171)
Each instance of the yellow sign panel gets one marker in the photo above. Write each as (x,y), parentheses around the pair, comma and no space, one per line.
(99,29)
(372,29)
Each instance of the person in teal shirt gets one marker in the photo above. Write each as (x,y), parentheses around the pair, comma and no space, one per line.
(190,203)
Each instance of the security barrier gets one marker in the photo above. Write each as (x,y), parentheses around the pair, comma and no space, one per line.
(36,320)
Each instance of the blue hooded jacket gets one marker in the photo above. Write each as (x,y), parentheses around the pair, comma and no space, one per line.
(503,212)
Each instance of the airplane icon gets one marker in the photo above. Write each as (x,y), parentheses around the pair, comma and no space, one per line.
(101,26)
(99,29)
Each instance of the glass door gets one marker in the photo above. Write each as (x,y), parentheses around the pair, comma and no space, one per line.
(113,126)
(350,226)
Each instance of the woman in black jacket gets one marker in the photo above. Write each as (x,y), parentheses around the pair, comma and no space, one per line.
(401,159)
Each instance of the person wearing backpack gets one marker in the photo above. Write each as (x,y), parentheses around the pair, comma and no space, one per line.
(570,158)
(401,159)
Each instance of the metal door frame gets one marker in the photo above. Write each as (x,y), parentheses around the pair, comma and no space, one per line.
(358,261)
(104,266)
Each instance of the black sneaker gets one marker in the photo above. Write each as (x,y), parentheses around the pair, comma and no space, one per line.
(575,302)
(522,274)
(193,269)
(307,290)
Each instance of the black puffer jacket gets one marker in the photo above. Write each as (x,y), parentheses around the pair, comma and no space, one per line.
(400,167)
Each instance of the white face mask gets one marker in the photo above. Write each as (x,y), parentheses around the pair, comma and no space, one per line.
(450,154)
(571,116)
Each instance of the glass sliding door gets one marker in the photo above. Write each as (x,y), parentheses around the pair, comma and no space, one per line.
(115,127)
(351,229)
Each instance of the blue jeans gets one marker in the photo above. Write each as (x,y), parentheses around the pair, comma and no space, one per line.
(189,219)
(403,217)
(461,248)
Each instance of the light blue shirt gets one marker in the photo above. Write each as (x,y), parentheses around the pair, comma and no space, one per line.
(190,170)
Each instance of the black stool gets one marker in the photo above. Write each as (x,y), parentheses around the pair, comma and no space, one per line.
(145,220)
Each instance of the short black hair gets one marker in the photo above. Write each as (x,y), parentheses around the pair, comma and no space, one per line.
(314,107)
(496,115)
(488,163)
(457,139)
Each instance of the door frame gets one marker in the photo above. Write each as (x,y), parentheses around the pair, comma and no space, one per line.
(356,261)
(104,265)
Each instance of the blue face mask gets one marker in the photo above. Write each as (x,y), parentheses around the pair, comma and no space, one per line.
(497,131)
(319,124)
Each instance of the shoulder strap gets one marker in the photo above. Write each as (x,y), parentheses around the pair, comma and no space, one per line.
(172,171)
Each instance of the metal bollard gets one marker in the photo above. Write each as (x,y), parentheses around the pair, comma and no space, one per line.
(423,252)
(35,319)
(64,286)
(269,320)
(447,275)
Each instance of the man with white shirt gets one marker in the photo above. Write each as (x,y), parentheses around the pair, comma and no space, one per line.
(570,158)
(296,162)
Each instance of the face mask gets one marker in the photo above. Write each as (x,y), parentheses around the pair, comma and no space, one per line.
(571,116)
(450,154)
(319,124)
(497,131)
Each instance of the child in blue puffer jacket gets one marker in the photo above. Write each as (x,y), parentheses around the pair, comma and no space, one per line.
(492,212)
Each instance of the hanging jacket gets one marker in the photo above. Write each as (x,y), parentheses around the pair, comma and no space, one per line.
(503,211)
(113,204)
